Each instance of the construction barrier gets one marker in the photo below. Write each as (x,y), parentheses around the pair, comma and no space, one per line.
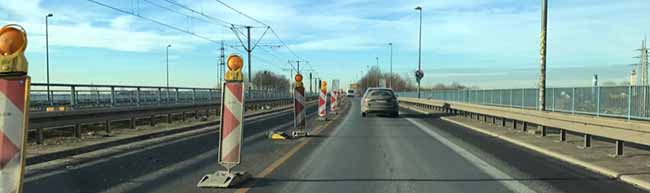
(333,101)
(299,113)
(231,130)
(14,103)
(322,102)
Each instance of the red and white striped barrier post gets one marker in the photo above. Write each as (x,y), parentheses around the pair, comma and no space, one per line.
(322,102)
(333,101)
(299,113)
(231,130)
(14,107)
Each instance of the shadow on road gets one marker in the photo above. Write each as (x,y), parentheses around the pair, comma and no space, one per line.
(263,182)
(421,116)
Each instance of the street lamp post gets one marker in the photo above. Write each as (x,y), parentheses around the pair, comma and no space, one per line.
(542,60)
(167,61)
(419,9)
(47,59)
(390,82)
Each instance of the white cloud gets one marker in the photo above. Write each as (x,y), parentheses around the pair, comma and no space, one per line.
(122,22)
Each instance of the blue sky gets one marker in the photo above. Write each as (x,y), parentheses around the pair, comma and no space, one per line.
(491,44)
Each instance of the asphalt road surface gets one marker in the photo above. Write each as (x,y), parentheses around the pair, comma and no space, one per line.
(171,166)
(413,153)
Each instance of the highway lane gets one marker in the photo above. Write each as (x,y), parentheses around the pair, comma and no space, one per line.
(415,153)
(172,166)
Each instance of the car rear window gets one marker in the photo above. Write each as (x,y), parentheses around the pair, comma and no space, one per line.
(386,93)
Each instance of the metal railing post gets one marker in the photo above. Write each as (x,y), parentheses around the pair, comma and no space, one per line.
(113,102)
(176,97)
(97,100)
(629,102)
(73,96)
(137,96)
(193,96)
(523,98)
(500,97)
(510,98)
(209,95)
(553,100)
(597,101)
(159,95)
(573,100)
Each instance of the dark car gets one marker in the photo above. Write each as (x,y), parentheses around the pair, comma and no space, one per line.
(379,100)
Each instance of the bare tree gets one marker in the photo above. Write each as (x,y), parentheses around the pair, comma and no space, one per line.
(266,80)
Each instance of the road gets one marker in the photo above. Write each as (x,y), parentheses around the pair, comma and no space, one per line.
(424,154)
(412,153)
(170,166)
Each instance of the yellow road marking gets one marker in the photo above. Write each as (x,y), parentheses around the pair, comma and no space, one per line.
(277,163)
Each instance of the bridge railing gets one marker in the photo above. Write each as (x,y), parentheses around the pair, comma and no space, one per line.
(85,96)
(630,102)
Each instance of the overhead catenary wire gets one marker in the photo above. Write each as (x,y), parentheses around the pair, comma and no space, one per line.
(242,13)
(223,23)
(183,14)
(264,24)
(153,21)
(215,21)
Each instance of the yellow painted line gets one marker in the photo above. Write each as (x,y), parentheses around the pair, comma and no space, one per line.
(277,163)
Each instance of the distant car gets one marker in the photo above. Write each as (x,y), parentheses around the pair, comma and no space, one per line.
(379,100)
(350,93)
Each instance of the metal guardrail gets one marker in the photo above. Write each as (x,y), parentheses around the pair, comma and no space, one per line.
(619,130)
(88,96)
(630,102)
(41,121)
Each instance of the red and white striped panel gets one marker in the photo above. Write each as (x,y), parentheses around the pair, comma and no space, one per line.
(232,105)
(299,108)
(12,133)
(333,101)
(322,103)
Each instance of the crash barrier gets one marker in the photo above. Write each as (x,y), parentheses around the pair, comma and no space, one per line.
(619,130)
(41,122)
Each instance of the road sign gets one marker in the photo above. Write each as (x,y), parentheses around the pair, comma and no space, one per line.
(419,74)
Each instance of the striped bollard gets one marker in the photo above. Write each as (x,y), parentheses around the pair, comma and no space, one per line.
(333,101)
(14,107)
(299,114)
(322,102)
(231,130)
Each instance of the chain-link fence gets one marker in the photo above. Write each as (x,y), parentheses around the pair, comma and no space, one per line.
(631,102)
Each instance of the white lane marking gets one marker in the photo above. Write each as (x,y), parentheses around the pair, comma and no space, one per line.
(513,185)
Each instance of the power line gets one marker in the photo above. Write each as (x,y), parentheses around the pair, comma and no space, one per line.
(242,13)
(183,14)
(262,23)
(223,23)
(154,21)
(285,45)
